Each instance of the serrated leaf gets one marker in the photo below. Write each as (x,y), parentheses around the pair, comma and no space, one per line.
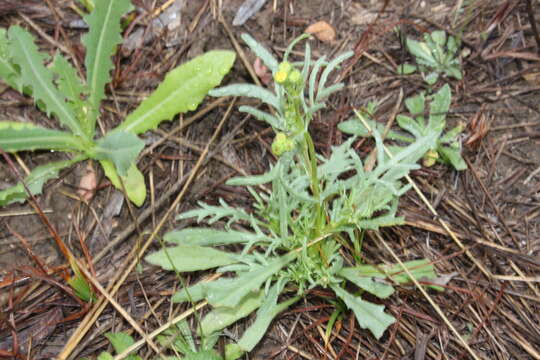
(122,148)
(34,181)
(183,89)
(249,90)
(229,292)
(184,258)
(15,136)
(212,237)
(8,72)
(133,181)
(36,76)
(370,316)
(101,42)
(221,317)
(71,86)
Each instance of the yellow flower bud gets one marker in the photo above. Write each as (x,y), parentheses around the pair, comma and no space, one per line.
(280,77)
(430,158)
(282,143)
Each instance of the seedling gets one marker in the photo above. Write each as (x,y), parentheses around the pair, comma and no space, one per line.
(447,149)
(436,55)
(292,236)
(75,103)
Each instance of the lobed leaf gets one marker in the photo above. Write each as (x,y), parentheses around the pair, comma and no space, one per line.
(16,136)
(184,258)
(183,89)
(101,42)
(370,316)
(36,76)
(71,86)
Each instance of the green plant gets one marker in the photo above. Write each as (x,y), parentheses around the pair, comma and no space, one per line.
(59,91)
(178,338)
(436,55)
(447,149)
(292,238)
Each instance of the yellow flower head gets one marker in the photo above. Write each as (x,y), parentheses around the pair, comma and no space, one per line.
(280,77)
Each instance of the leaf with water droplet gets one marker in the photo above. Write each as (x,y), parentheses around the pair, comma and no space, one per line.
(183,90)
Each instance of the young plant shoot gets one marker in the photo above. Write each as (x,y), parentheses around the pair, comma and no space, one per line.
(292,236)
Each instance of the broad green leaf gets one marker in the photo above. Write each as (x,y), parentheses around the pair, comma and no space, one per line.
(193,293)
(101,42)
(454,71)
(229,292)
(105,356)
(416,104)
(183,89)
(190,258)
(249,90)
(120,341)
(409,124)
(432,77)
(71,86)
(452,155)
(36,76)
(406,69)
(233,351)
(15,136)
(34,181)
(266,313)
(221,317)
(439,37)
(203,355)
(368,282)
(212,237)
(421,50)
(439,108)
(8,72)
(370,316)
(133,181)
(122,148)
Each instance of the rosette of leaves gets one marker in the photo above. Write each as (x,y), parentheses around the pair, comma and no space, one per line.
(75,102)
(290,240)
(436,55)
(447,149)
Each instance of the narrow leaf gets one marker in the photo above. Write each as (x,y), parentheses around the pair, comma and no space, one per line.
(35,75)
(266,313)
(212,237)
(261,52)
(368,282)
(183,90)
(249,90)
(185,258)
(34,181)
(101,42)
(439,108)
(121,148)
(15,136)
(370,316)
